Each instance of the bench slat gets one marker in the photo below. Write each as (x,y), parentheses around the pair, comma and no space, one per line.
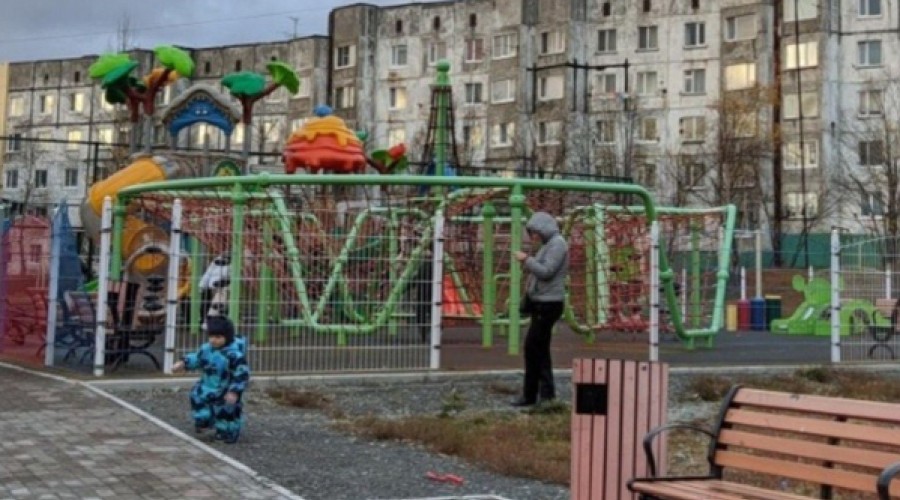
(850,408)
(800,471)
(709,489)
(838,454)
(846,455)
(815,427)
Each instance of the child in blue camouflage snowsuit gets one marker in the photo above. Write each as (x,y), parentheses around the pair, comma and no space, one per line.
(216,397)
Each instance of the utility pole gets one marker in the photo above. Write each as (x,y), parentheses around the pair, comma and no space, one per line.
(295,20)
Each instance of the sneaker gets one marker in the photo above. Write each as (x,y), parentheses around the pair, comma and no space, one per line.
(522,402)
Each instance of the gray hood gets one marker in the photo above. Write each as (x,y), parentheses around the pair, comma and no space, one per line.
(544,224)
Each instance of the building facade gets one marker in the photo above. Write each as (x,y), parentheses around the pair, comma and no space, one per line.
(783,107)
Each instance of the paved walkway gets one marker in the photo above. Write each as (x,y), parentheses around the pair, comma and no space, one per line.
(63,439)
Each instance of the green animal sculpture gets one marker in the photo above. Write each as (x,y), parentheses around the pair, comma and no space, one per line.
(813,315)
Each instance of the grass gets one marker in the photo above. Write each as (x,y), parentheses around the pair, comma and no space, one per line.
(536,444)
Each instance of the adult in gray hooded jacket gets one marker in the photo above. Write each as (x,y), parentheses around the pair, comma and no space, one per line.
(545,288)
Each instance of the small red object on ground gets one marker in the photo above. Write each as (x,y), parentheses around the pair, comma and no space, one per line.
(445,478)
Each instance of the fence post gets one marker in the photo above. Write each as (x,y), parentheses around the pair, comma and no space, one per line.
(53,285)
(835,296)
(437,289)
(654,291)
(616,403)
(103,287)
(172,287)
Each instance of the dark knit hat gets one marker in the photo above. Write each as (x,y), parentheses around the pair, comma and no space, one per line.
(220,325)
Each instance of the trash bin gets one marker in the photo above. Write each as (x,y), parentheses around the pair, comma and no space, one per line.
(773,309)
(758,314)
(743,314)
(731,317)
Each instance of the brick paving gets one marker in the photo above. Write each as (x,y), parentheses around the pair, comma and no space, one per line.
(60,439)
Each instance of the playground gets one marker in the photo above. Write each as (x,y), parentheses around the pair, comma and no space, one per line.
(331,268)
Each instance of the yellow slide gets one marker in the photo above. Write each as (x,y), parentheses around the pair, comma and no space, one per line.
(144,246)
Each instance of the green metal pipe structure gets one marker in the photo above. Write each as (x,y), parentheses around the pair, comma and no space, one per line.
(518,188)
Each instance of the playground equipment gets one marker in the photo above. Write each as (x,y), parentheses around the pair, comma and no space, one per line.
(813,315)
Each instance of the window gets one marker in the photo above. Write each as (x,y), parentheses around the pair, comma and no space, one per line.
(14,143)
(694,172)
(106,106)
(473,20)
(16,106)
(344,97)
(105,135)
(473,93)
(695,81)
(647,38)
(40,178)
(271,132)
(474,49)
(869,8)
(799,10)
(501,134)
(740,76)
(77,77)
(74,137)
(695,4)
(47,103)
(647,129)
(646,6)
(871,153)
(436,52)
(345,56)
(503,91)
(740,28)
(607,9)
(872,205)
(552,42)
(396,136)
(304,89)
(238,65)
(646,174)
(693,128)
(871,102)
(398,26)
(808,53)
(810,102)
(647,82)
(298,123)
(870,53)
(794,205)
(606,41)
(397,97)
(398,56)
(548,133)
(550,87)
(606,131)
(606,84)
(504,46)
(207,68)
(694,34)
(743,124)
(473,136)
(792,159)
(76,102)
(12,178)
(436,23)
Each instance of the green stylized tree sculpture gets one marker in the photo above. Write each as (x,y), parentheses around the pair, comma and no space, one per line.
(249,87)
(114,70)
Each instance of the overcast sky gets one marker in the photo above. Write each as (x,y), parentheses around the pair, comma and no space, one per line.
(56,29)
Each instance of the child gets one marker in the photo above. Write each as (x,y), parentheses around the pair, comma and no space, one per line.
(216,397)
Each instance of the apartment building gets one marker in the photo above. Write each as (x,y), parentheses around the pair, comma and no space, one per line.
(775,105)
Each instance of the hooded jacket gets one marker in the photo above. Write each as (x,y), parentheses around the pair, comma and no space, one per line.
(550,265)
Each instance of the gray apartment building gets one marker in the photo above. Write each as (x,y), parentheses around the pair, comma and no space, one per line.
(782,107)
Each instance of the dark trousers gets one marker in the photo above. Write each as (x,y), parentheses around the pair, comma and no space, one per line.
(538,365)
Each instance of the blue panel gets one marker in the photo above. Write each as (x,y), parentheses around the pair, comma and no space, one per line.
(200,110)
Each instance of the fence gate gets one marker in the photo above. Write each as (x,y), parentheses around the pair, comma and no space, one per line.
(865,299)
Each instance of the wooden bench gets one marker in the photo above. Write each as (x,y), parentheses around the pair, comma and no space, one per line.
(795,443)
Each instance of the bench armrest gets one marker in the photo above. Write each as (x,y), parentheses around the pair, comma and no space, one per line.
(884,480)
(648,440)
